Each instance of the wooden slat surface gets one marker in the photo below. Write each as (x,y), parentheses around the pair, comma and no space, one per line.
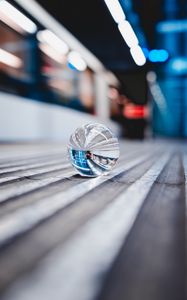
(116,237)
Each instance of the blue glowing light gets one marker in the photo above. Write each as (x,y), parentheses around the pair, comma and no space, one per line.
(72,67)
(145,52)
(178,65)
(172,26)
(160,55)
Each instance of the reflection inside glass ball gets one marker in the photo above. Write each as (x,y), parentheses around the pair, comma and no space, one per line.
(93,150)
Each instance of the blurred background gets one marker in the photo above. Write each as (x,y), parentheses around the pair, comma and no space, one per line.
(66,63)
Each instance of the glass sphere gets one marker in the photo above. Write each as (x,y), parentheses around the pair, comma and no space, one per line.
(93,150)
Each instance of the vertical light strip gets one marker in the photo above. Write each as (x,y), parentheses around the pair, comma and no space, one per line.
(115,10)
(128,34)
(126,31)
(138,55)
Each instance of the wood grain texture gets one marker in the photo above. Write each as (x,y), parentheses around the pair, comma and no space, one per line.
(117,237)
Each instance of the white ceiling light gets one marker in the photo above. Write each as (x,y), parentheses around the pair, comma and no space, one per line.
(138,55)
(14,16)
(115,10)
(126,31)
(48,37)
(128,34)
(76,60)
(10,59)
(8,21)
(52,53)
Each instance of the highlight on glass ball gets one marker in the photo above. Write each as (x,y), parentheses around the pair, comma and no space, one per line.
(93,150)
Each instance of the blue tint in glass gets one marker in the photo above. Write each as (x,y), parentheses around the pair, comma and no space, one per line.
(93,150)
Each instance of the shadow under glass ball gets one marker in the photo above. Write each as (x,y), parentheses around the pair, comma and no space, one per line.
(93,150)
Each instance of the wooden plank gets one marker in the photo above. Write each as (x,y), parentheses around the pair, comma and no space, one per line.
(47,161)
(30,248)
(31,183)
(43,214)
(22,153)
(18,188)
(36,171)
(74,268)
(151,263)
(29,160)
(40,192)
(27,217)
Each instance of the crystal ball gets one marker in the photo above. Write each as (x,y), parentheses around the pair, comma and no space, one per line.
(93,150)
